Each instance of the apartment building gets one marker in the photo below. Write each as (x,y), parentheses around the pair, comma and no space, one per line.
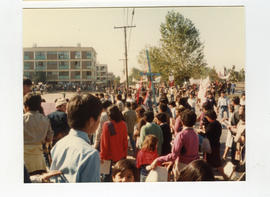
(61,64)
(102,75)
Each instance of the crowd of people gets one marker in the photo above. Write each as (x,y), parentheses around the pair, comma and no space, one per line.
(133,135)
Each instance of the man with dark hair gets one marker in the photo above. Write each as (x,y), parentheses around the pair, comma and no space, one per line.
(172,107)
(188,118)
(101,97)
(27,86)
(37,131)
(73,155)
(185,146)
(119,102)
(163,108)
(236,105)
(151,128)
(211,100)
(213,133)
(130,119)
(58,120)
(161,120)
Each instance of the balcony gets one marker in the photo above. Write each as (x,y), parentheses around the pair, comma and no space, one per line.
(63,55)
(26,57)
(51,55)
(63,77)
(52,65)
(63,67)
(27,67)
(86,55)
(40,57)
(75,55)
(40,67)
(52,77)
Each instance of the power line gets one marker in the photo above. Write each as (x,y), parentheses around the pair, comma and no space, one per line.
(133,12)
(127,16)
(124,15)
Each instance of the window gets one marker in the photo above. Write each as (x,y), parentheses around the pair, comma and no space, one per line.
(88,73)
(75,55)
(86,64)
(86,55)
(63,65)
(75,65)
(28,55)
(51,55)
(63,75)
(26,74)
(28,65)
(63,55)
(77,75)
(40,55)
(52,75)
(29,75)
(40,65)
(52,65)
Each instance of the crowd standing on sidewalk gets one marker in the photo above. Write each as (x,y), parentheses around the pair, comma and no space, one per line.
(133,135)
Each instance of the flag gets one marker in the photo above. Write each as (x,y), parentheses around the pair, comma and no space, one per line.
(225,77)
(204,84)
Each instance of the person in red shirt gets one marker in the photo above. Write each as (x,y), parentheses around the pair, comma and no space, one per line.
(146,155)
(114,138)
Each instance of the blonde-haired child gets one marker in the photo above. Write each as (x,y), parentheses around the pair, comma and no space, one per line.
(146,155)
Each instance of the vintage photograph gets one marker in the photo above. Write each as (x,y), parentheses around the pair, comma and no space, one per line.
(134,94)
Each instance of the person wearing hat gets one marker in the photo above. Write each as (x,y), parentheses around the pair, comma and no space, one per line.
(58,120)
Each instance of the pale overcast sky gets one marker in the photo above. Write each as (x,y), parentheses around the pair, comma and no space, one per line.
(222,30)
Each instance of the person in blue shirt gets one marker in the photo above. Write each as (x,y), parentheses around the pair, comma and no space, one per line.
(73,154)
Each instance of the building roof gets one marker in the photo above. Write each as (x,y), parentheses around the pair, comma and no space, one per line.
(59,48)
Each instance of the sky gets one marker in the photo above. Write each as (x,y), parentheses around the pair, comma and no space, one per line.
(222,31)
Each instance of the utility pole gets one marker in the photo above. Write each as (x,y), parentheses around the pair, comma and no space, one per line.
(126,56)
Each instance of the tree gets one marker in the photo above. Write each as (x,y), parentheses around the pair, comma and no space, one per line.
(135,74)
(116,82)
(181,52)
(242,75)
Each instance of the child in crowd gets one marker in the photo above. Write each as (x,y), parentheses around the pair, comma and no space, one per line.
(192,101)
(197,170)
(125,171)
(146,155)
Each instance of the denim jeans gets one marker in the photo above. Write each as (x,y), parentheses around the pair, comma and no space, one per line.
(132,142)
(222,110)
(142,178)
(143,173)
